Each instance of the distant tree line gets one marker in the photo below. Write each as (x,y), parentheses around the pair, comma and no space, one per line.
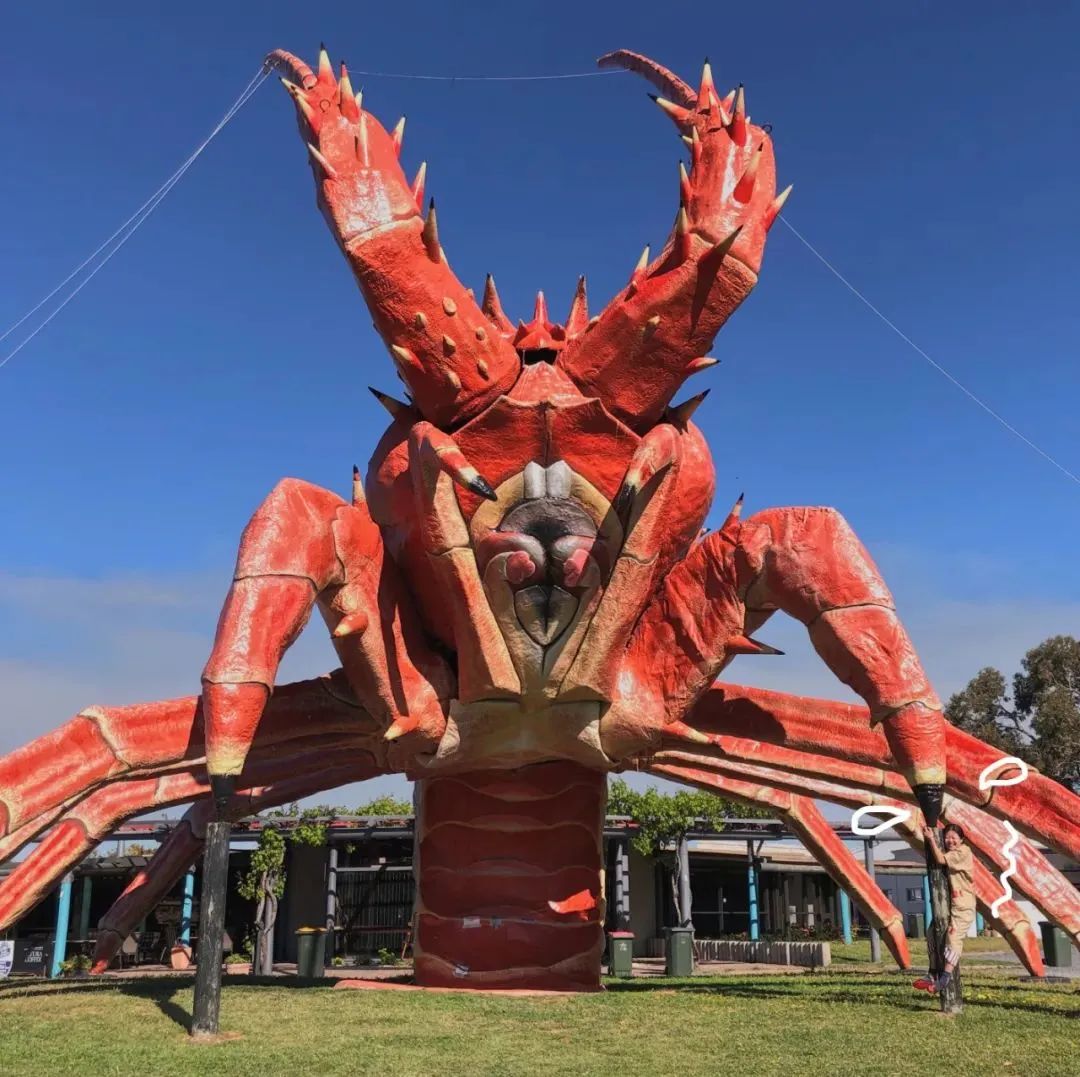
(1038,720)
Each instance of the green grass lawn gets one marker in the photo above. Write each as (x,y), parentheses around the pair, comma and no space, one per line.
(859,952)
(846,1023)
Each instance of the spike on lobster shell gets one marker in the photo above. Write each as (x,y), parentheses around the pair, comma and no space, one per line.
(707,91)
(430,235)
(397,136)
(322,162)
(746,645)
(777,204)
(326,69)
(738,128)
(346,100)
(418,186)
(680,115)
(396,408)
(680,413)
(578,318)
(492,307)
(638,275)
(745,187)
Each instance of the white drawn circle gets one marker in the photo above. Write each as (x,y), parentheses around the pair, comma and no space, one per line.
(895,816)
(985,781)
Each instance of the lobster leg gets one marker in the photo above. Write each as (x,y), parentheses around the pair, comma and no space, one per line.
(302,724)
(1041,808)
(808,563)
(666,490)
(305,544)
(803,816)
(1010,921)
(485,667)
(97,745)
(184,845)
(858,770)
(154,739)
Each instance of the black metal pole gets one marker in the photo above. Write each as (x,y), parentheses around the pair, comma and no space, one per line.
(215,875)
(952,997)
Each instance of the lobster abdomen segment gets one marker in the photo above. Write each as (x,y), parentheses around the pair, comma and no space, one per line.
(499,855)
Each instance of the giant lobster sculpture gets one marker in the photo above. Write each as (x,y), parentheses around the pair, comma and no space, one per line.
(522,601)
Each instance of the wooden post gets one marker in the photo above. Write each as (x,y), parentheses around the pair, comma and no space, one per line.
(84,908)
(868,859)
(952,997)
(215,876)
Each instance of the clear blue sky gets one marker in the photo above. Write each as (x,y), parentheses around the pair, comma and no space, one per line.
(934,150)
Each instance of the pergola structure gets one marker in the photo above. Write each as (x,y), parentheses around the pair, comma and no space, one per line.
(75,893)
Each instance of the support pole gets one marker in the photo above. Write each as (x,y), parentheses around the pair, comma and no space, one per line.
(331,901)
(186,907)
(868,860)
(84,907)
(752,892)
(685,897)
(622,885)
(928,911)
(63,918)
(211,930)
(845,916)
(952,997)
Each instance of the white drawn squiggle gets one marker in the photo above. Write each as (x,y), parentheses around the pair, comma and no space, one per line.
(1003,878)
(985,782)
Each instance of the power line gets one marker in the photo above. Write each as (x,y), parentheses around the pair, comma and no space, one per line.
(129,227)
(485,78)
(933,362)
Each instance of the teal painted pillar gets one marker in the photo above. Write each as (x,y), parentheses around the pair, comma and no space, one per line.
(845,916)
(63,917)
(185,909)
(980,923)
(928,912)
(84,907)
(752,892)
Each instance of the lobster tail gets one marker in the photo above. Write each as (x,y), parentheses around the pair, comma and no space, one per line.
(444,347)
(653,335)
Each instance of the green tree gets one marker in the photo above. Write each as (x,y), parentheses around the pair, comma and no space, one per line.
(1040,720)
(664,819)
(264,882)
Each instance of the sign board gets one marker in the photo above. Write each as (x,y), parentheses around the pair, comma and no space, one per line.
(32,956)
(7,957)
(170,911)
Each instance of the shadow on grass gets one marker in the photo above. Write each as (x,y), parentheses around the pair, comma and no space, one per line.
(160,990)
(873,990)
(866,991)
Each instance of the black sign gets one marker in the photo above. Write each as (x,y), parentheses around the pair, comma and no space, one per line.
(32,956)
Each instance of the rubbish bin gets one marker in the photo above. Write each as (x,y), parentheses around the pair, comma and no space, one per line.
(1056,946)
(680,951)
(621,954)
(916,925)
(310,952)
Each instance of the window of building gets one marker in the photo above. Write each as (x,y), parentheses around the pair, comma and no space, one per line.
(914,893)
